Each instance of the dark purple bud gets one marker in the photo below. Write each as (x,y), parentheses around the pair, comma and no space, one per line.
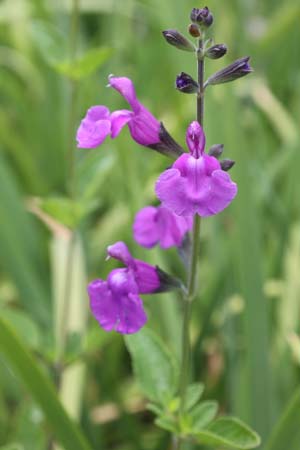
(202,16)
(216,150)
(185,83)
(167,145)
(216,51)
(238,69)
(167,281)
(175,38)
(226,164)
(194,30)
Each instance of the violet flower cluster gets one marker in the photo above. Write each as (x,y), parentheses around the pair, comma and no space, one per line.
(196,183)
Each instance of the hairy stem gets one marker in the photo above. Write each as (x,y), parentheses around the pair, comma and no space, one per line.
(193,266)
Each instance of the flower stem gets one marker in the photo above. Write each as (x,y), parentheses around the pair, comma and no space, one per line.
(193,266)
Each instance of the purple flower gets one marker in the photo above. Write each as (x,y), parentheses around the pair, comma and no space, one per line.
(159,225)
(115,303)
(144,128)
(195,184)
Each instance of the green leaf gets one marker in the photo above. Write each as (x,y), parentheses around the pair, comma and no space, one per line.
(85,65)
(193,395)
(229,432)
(155,409)
(203,414)
(286,433)
(154,366)
(41,389)
(166,423)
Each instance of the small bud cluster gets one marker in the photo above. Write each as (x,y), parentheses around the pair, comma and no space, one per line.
(202,19)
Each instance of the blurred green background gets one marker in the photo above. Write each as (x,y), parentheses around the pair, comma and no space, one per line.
(60,207)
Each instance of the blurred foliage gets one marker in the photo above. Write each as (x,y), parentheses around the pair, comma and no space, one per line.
(60,207)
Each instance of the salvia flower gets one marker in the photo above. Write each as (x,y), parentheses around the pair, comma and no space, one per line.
(185,83)
(202,16)
(115,303)
(195,183)
(237,69)
(179,41)
(158,225)
(144,128)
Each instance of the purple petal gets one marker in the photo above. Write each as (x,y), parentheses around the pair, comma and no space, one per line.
(102,304)
(131,315)
(222,192)
(170,189)
(146,277)
(160,225)
(122,312)
(120,251)
(144,127)
(145,229)
(172,227)
(94,127)
(126,88)
(195,139)
(118,120)
(196,186)
(122,281)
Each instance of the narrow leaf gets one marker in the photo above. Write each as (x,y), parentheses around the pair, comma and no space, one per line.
(41,389)
(286,433)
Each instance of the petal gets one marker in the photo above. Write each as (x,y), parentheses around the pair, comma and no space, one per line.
(97,112)
(195,139)
(172,227)
(146,277)
(144,127)
(120,251)
(126,88)
(102,304)
(222,192)
(94,127)
(118,120)
(170,189)
(131,314)
(122,281)
(121,312)
(145,228)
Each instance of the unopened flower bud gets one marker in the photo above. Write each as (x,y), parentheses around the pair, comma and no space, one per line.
(216,51)
(185,83)
(238,69)
(175,38)
(216,150)
(194,30)
(226,164)
(202,16)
